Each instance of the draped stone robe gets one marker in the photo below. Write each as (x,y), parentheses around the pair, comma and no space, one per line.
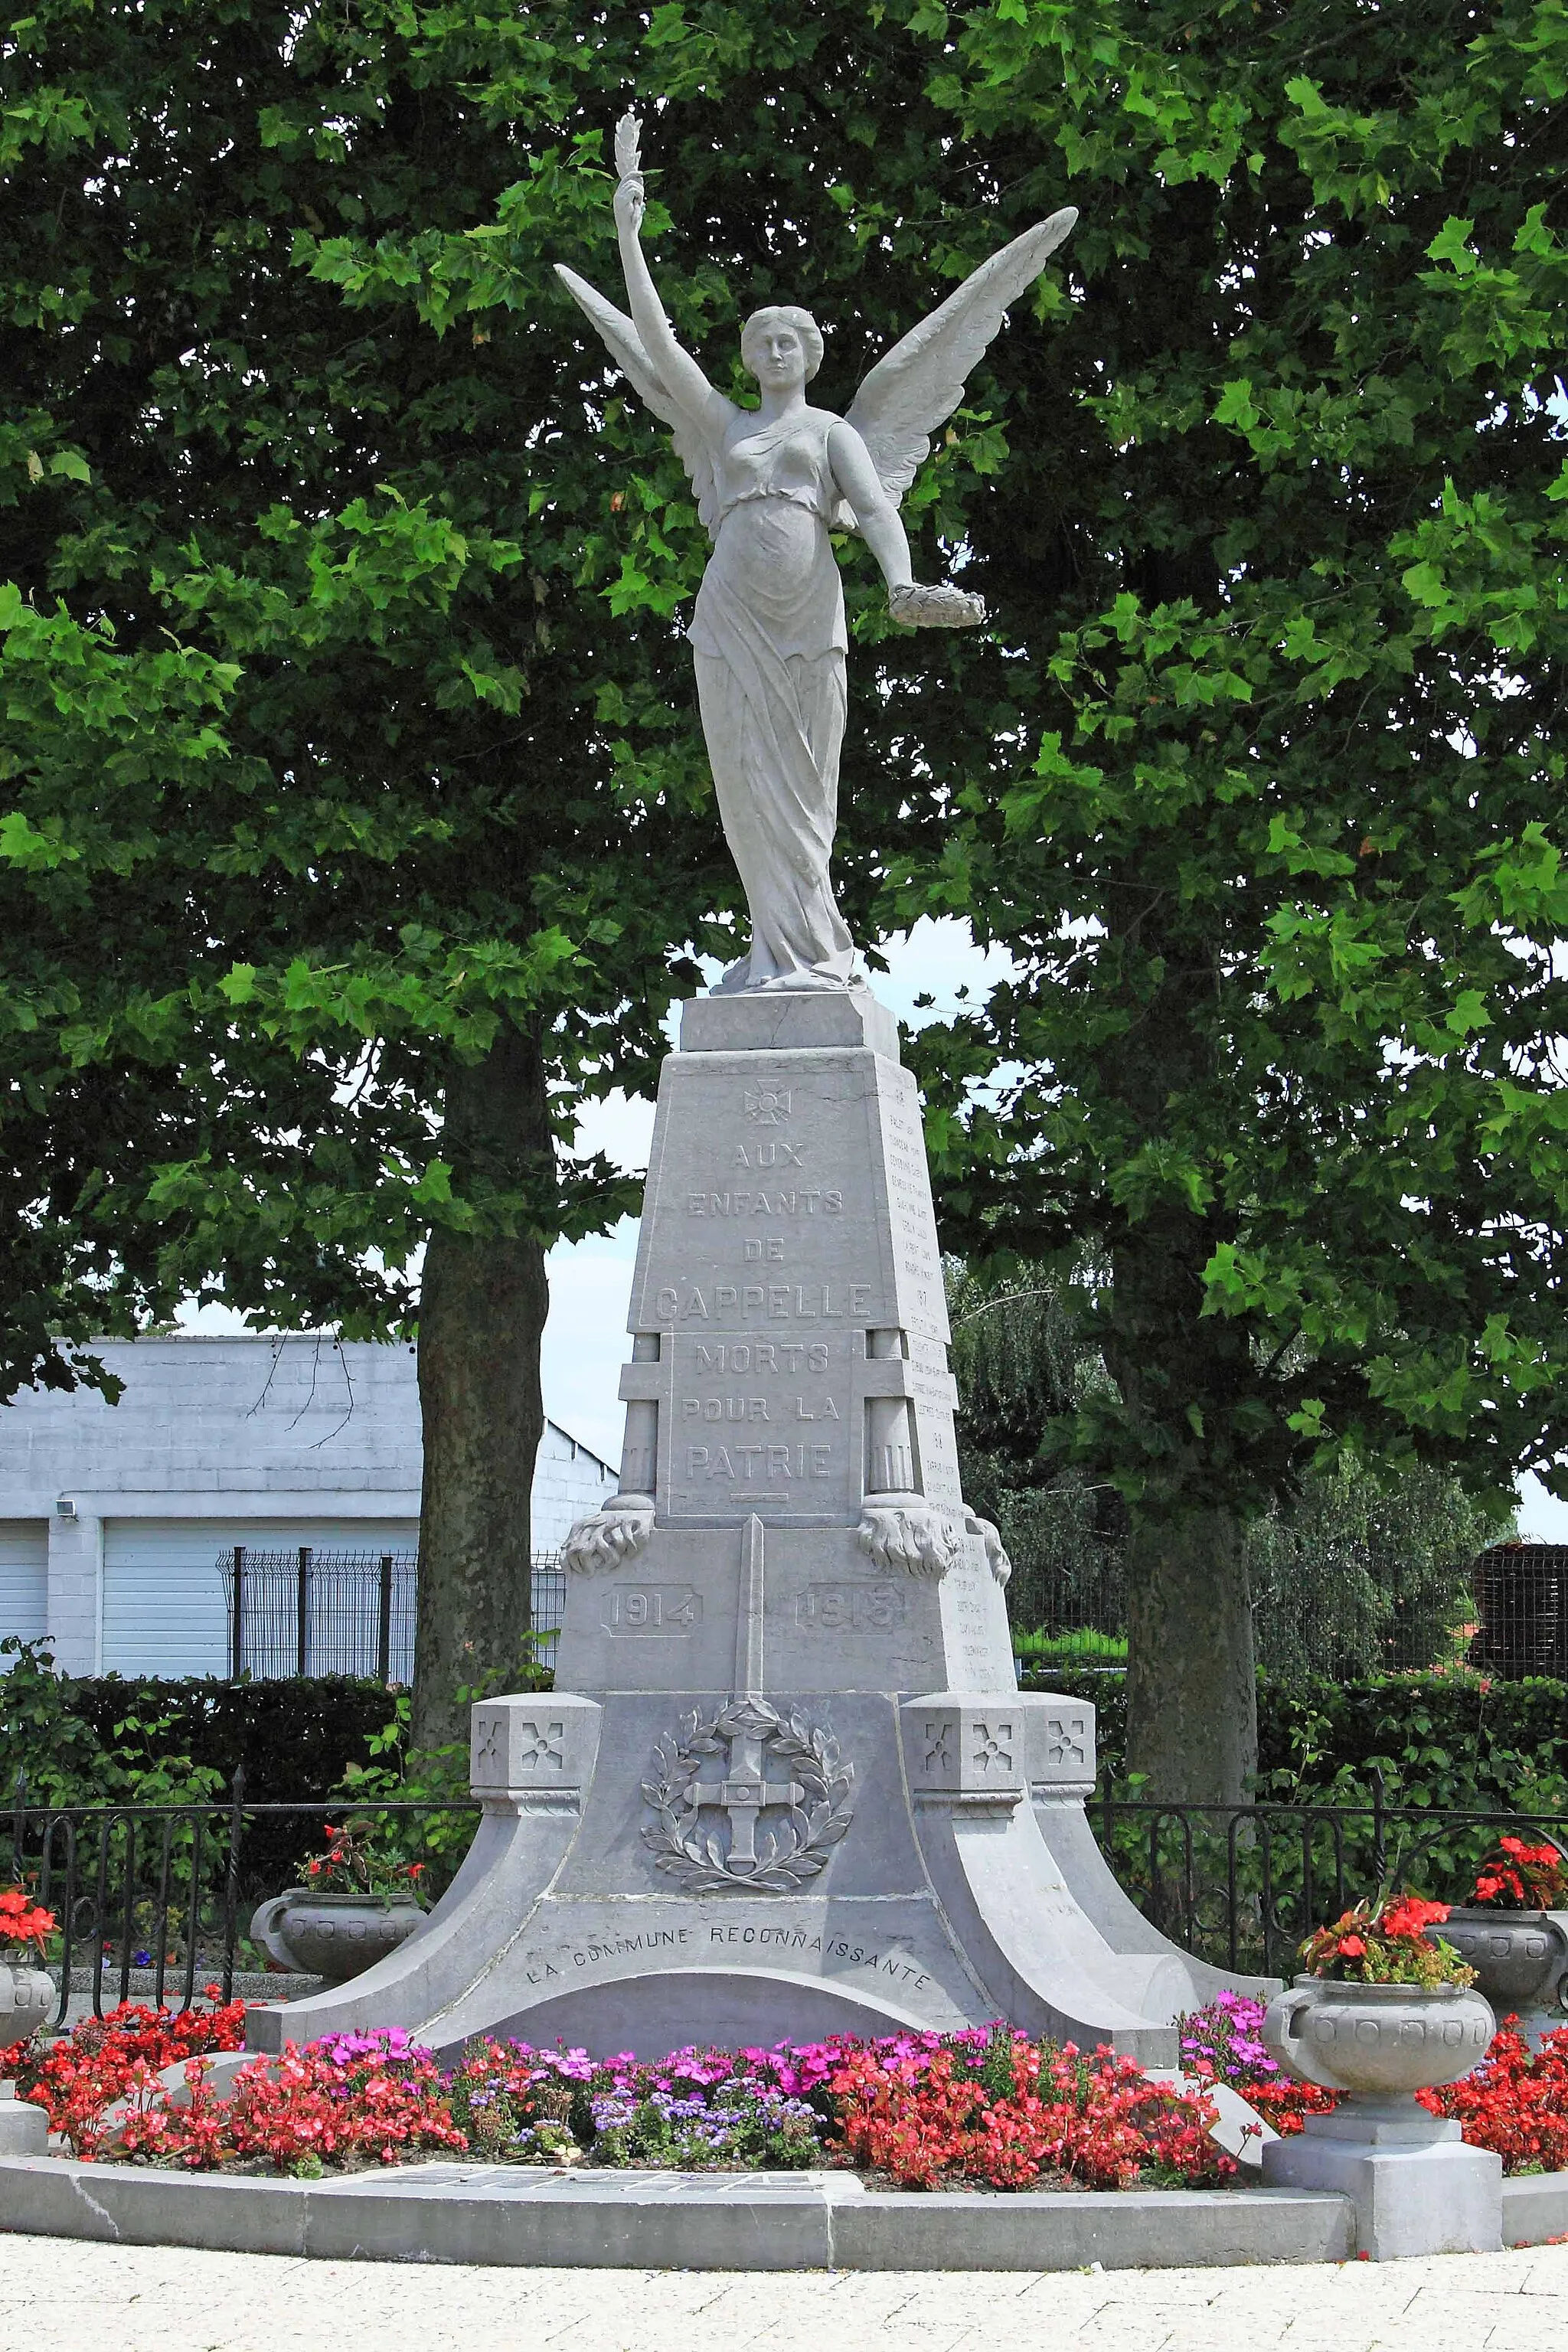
(769,637)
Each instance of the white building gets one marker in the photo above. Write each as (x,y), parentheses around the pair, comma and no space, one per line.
(114,1518)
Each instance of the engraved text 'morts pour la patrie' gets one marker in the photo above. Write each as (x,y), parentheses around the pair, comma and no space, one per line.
(786,1784)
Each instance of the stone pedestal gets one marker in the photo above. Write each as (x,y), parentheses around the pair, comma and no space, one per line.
(1416,2188)
(788,1785)
(23,2129)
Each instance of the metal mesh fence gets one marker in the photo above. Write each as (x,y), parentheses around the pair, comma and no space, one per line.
(1508,1617)
(1522,1603)
(309,1611)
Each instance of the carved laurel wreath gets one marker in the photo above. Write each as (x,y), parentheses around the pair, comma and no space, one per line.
(795,1850)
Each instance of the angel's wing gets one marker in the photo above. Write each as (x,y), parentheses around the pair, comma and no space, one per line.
(626,349)
(920,382)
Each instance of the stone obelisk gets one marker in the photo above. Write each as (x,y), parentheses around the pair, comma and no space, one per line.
(788,1785)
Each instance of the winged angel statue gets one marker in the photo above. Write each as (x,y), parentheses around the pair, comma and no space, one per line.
(768,630)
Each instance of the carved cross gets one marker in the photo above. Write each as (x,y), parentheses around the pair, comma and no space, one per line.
(743,1791)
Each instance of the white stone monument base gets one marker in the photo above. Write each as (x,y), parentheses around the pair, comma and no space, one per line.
(787,1786)
(1416,2188)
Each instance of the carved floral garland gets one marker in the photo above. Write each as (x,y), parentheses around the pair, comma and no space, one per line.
(785,1857)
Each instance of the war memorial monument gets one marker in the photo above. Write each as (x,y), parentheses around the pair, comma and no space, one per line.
(787,1784)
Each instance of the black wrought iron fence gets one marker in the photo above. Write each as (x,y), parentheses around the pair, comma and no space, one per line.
(313,1611)
(1242,1885)
(156,1899)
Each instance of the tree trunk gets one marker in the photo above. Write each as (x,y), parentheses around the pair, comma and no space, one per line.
(1191,1689)
(1192,1693)
(481,1316)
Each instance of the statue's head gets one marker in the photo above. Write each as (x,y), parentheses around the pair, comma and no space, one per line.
(782,346)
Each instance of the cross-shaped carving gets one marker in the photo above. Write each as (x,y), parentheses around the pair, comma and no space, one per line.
(744,1791)
(488,1748)
(547,1748)
(936,1755)
(1063,1748)
(988,1747)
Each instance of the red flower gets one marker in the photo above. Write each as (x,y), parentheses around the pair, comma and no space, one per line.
(1522,1876)
(22,1922)
(1352,1947)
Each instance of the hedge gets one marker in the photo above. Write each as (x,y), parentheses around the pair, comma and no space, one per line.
(1455,1742)
(295,1738)
(1448,1741)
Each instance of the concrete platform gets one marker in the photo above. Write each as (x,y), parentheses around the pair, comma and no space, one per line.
(504,2215)
(581,2218)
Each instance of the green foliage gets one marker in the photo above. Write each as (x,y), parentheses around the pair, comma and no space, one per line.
(1358,1572)
(1077,1646)
(1252,774)
(400,1773)
(1351,1573)
(104,1737)
(382,775)
(1442,1742)
(75,1743)
(301,423)
(1450,1742)
(1265,823)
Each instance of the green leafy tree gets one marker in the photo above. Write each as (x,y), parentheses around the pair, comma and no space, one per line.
(279,282)
(1275,689)
(1248,775)
(1361,1573)
(329,960)
(1356,1571)
(94,746)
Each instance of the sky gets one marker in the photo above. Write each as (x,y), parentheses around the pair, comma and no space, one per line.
(590,1282)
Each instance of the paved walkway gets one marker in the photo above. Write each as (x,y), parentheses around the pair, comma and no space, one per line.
(60,2298)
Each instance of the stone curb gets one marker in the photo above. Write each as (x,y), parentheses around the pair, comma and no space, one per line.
(1534,2208)
(584,2219)
(497,2214)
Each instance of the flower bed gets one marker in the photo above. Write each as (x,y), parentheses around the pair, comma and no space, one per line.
(983,2108)
(78,2077)
(1224,2044)
(1516,2102)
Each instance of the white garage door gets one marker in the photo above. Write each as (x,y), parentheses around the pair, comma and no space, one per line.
(162,1594)
(24,1577)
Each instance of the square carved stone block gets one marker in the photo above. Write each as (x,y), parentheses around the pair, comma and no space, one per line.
(1058,1741)
(964,1747)
(538,1740)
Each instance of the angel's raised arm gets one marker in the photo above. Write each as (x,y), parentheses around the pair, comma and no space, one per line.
(678,371)
(698,435)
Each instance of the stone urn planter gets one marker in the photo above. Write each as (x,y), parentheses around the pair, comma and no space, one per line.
(333,1935)
(1520,1958)
(1377,2043)
(26,1998)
